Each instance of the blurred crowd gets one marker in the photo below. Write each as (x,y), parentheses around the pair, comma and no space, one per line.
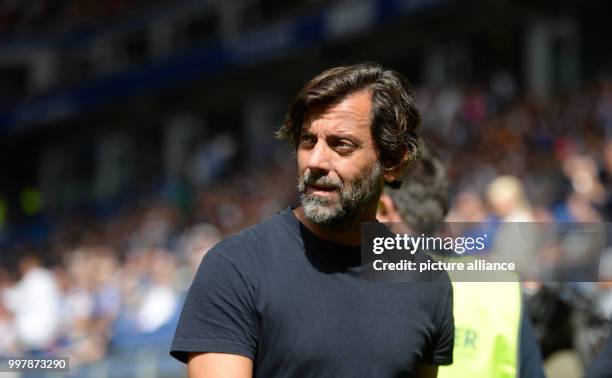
(119,283)
(21,19)
(44,18)
(100,285)
(559,148)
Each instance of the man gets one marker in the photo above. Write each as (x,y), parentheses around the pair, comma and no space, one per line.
(493,334)
(286,297)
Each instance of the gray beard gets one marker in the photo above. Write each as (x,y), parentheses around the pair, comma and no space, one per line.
(349,204)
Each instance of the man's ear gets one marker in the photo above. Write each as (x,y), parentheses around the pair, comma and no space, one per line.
(386,211)
(394,174)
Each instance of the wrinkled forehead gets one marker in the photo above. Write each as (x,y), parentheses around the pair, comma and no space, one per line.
(349,115)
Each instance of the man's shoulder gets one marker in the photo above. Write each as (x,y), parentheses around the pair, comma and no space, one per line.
(258,238)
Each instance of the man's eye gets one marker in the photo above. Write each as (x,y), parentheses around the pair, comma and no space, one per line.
(307,140)
(345,146)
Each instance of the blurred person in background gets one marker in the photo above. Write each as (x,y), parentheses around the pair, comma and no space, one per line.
(493,334)
(508,201)
(285,298)
(90,302)
(35,304)
(194,243)
(159,300)
(515,236)
(149,295)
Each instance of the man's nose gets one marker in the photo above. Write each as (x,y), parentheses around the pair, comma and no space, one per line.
(319,157)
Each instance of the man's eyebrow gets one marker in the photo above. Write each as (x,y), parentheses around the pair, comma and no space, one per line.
(346,135)
(339,134)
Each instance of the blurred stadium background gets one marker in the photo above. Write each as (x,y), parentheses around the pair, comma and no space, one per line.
(135,134)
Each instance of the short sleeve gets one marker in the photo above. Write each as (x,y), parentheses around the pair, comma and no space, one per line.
(442,350)
(219,311)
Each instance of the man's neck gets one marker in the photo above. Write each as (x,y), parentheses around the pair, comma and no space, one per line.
(349,234)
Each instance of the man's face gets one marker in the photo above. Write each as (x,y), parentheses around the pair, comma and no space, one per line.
(340,173)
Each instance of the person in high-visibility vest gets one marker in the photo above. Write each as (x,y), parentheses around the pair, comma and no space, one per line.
(493,334)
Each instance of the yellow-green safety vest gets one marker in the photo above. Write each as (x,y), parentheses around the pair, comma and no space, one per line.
(487,326)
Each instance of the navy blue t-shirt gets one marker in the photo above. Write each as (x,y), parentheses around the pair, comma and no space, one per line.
(298,306)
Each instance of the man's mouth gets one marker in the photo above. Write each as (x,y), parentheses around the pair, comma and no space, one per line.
(320,189)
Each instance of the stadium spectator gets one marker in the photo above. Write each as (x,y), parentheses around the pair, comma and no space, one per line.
(35,303)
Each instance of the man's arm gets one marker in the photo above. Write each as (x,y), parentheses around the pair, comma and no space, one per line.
(427,371)
(218,316)
(219,365)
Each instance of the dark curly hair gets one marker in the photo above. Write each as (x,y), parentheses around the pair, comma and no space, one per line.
(395,117)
